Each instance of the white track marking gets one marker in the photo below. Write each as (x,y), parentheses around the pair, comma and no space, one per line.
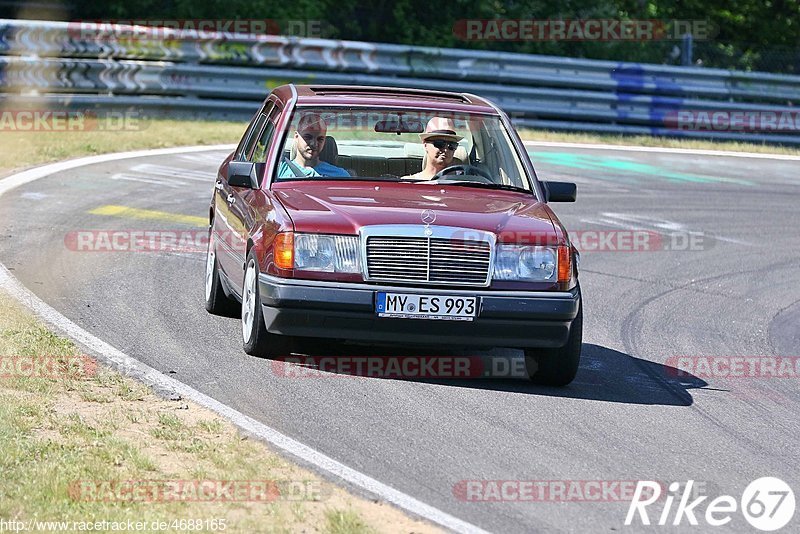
(205,158)
(661,150)
(602,221)
(643,222)
(661,224)
(132,367)
(143,179)
(33,195)
(174,172)
(734,240)
(20,178)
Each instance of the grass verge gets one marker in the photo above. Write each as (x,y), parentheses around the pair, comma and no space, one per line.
(24,149)
(83,444)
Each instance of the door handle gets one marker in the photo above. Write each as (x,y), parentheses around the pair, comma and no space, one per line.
(219,185)
(231,199)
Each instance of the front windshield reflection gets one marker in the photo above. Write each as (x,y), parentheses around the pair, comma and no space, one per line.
(416,146)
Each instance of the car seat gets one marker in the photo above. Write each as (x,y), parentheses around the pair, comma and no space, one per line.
(329,154)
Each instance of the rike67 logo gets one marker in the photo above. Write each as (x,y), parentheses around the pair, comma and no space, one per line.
(767,504)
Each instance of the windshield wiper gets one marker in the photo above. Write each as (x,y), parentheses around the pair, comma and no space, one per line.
(469,183)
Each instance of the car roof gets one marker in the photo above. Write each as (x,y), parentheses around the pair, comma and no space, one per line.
(364,95)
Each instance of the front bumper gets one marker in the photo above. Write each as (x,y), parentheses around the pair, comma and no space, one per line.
(347,312)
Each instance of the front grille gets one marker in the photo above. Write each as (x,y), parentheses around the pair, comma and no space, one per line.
(428,260)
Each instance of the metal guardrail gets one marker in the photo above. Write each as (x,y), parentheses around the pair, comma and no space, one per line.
(226,75)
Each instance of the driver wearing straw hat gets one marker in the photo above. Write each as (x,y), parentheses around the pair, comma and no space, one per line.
(440,143)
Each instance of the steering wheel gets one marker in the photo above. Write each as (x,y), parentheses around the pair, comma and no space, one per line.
(464,169)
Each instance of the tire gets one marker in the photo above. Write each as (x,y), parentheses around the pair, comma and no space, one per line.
(217,302)
(257,341)
(557,367)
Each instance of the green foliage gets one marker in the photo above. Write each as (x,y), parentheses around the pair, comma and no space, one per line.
(752,34)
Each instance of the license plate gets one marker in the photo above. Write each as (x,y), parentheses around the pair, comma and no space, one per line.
(441,307)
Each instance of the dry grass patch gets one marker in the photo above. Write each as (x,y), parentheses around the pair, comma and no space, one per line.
(70,446)
(25,149)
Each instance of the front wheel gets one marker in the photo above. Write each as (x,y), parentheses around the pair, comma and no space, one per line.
(257,340)
(217,302)
(557,367)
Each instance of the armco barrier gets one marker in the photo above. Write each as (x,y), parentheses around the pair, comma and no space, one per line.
(226,75)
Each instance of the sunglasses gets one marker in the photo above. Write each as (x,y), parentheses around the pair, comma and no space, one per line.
(441,145)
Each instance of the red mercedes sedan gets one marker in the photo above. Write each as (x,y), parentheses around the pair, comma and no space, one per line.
(390,216)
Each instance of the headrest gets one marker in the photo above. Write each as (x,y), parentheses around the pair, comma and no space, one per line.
(330,152)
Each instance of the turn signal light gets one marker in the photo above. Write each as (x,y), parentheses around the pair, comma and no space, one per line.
(564,264)
(283,249)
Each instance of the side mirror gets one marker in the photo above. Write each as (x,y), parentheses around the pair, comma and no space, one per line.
(242,174)
(560,191)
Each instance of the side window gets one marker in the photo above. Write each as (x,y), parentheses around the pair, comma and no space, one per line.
(262,145)
(247,149)
(243,141)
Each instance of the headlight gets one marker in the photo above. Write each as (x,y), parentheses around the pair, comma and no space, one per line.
(525,263)
(326,253)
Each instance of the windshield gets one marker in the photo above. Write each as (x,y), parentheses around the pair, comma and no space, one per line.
(401,145)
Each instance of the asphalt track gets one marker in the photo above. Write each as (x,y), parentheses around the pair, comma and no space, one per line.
(627,416)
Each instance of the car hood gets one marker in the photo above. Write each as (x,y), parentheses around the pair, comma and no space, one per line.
(344,208)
